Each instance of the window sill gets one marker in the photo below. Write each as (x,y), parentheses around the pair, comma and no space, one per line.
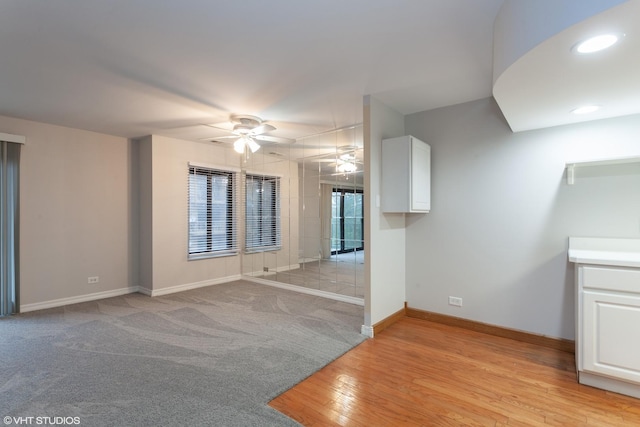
(208,255)
(267,249)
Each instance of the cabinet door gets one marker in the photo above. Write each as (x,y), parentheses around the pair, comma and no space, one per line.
(611,336)
(420,176)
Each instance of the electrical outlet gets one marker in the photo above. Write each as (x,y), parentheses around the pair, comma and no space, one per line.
(265,269)
(93,279)
(456,301)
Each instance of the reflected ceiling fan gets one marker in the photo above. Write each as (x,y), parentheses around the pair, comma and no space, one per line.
(247,131)
(345,161)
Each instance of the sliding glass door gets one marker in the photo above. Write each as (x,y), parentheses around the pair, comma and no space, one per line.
(9,227)
(347,220)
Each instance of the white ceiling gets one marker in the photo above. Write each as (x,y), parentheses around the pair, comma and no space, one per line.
(137,67)
(543,86)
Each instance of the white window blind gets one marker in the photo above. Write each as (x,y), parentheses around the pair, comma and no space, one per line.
(212,217)
(262,213)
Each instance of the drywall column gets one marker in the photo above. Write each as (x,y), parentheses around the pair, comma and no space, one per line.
(145,229)
(384,238)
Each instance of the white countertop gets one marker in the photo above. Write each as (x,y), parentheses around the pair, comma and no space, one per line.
(604,251)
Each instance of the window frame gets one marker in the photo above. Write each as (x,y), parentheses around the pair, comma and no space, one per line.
(261,241)
(230,240)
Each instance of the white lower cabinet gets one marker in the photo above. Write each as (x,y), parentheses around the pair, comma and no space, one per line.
(612,344)
(608,328)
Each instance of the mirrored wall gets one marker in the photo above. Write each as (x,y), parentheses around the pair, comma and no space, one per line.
(321,211)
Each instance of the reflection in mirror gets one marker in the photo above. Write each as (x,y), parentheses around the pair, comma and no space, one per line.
(321,209)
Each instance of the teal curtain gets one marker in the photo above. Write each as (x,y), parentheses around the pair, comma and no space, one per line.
(9,227)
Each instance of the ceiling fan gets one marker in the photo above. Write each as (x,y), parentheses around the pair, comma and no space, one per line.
(345,160)
(247,131)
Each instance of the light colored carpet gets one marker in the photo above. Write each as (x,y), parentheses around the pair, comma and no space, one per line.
(341,274)
(210,356)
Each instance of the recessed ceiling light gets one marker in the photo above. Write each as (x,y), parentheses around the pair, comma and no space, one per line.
(597,43)
(586,109)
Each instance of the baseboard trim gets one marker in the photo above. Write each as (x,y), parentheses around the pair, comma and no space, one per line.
(367,331)
(187,286)
(124,291)
(144,291)
(611,384)
(385,323)
(272,270)
(514,334)
(77,299)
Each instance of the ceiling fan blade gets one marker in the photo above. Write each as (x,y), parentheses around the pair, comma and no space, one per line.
(216,138)
(319,160)
(277,139)
(263,128)
(226,126)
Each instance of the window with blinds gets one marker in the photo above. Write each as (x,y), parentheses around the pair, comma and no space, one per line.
(212,223)
(262,213)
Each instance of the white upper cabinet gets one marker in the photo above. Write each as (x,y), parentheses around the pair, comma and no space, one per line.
(406,175)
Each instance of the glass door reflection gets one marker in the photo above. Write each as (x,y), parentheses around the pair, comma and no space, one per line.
(347,220)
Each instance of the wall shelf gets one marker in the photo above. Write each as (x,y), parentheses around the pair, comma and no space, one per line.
(571,166)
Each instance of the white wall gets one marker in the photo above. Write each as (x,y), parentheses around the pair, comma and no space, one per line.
(163,209)
(502,213)
(76,215)
(167,160)
(99,205)
(384,233)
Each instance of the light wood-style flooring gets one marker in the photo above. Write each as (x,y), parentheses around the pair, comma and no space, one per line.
(420,373)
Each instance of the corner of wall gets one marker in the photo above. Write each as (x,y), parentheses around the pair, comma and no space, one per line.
(384,246)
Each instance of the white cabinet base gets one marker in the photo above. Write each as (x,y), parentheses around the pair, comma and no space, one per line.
(607,313)
(611,384)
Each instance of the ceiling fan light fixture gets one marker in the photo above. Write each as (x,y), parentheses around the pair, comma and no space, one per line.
(247,131)
(243,142)
(253,145)
(347,167)
(238,145)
